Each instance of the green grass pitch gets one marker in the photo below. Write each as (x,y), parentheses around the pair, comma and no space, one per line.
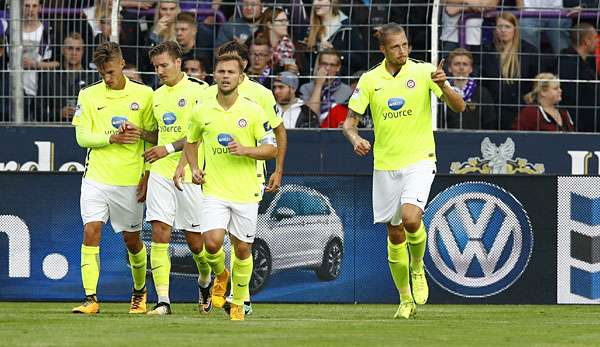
(51,324)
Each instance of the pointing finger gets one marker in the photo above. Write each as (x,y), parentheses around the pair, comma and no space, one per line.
(441,64)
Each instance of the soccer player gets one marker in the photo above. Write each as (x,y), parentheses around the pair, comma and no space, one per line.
(265,98)
(114,181)
(173,105)
(397,91)
(235,134)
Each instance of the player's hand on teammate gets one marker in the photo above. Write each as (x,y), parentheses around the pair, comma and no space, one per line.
(197,176)
(439,75)
(362,147)
(128,134)
(153,154)
(274,182)
(236,149)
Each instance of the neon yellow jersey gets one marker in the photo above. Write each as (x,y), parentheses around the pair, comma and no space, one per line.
(401,109)
(173,107)
(265,99)
(102,110)
(228,177)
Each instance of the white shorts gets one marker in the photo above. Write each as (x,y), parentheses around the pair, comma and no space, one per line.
(99,202)
(238,219)
(169,205)
(392,189)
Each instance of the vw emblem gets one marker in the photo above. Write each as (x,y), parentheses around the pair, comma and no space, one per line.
(479,239)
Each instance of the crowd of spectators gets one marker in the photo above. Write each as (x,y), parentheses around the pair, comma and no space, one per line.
(312,52)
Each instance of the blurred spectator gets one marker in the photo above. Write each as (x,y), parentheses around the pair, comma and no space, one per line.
(543,113)
(336,117)
(164,22)
(370,15)
(578,62)
(91,27)
(452,12)
(274,26)
(480,112)
(37,55)
(326,90)
(292,110)
(195,68)
(555,29)
(59,89)
(4,82)
(331,28)
(504,62)
(132,72)
(260,59)
(241,28)
(186,29)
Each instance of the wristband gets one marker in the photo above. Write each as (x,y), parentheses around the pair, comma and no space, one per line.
(169,147)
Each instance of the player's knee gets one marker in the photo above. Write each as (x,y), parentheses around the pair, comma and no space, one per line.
(212,246)
(133,242)
(396,233)
(243,250)
(195,247)
(411,224)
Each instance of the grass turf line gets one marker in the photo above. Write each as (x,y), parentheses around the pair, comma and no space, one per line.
(52,324)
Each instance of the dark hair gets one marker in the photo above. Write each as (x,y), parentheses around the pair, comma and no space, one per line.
(260,41)
(329,51)
(387,29)
(186,17)
(170,47)
(202,64)
(105,52)
(580,31)
(233,47)
(230,57)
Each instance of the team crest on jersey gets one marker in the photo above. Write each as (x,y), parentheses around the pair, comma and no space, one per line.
(134,106)
(181,102)
(242,123)
(411,84)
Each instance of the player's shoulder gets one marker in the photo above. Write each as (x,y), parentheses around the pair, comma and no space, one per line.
(91,88)
(422,65)
(198,83)
(258,88)
(141,88)
(250,104)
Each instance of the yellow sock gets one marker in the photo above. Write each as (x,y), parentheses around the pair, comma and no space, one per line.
(161,269)
(90,268)
(417,242)
(216,261)
(138,264)
(240,279)
(398,261)
(203,268)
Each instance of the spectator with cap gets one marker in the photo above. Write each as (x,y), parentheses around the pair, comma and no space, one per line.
(292,110)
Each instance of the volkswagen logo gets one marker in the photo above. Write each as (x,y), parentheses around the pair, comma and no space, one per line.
(479,239)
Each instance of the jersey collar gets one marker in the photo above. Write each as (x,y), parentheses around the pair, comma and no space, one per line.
(181,84)
(386,75)
(117,94)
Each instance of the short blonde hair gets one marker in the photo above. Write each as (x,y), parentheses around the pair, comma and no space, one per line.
(544,81)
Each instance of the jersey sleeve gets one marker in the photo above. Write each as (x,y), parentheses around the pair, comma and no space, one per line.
(149,122)
(359,101)
(428,70)
(82,116)
(195,125)
(262,128)
(268,105)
